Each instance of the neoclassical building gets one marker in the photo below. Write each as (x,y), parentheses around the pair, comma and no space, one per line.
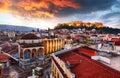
(32,49)
(30,46)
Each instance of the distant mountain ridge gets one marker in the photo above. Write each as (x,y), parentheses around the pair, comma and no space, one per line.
(16,28)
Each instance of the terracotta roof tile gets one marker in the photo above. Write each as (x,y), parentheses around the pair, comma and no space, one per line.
(3,56)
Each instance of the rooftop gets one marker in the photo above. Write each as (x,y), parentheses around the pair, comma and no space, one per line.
(106,52)
(30,36)
(114,60)
(87,51)
(84,67)
(3,57)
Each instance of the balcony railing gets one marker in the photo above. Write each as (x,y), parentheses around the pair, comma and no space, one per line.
(33,60)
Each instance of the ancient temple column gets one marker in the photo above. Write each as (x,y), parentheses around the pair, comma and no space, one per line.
(50,46)
(55,44)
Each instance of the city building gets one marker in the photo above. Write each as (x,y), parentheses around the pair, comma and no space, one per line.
(32,49)
(11,34)
(72,64)
(4,60)
(9,53)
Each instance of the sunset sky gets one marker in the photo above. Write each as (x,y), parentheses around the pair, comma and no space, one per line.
(47,13)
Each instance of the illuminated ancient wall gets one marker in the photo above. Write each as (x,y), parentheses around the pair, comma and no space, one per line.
(52,45)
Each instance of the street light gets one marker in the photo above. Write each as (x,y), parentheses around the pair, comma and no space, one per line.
(0,69)
(33,72)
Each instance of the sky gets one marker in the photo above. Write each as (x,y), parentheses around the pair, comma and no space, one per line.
(46,14)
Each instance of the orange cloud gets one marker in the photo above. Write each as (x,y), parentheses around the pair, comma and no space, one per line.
(36,8)
(3,6)
(65,3)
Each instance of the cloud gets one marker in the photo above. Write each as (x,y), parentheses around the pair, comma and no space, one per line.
(55,11)
(87,7)
(111,15)
(3,6)
(36,8)
(53,8)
